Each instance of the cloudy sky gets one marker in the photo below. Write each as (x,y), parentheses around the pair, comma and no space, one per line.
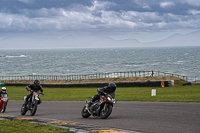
(144,20)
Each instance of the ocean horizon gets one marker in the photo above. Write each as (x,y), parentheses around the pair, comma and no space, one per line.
(79,61)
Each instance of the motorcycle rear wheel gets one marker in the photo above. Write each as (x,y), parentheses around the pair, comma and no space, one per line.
(23,109)
(3,107)
(33,108)
(105,112)
(85,113)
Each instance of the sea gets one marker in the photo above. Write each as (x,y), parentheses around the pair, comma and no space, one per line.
(77,61)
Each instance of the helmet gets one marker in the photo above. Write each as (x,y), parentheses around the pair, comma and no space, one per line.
(36,82)
(3,89)
(112,87)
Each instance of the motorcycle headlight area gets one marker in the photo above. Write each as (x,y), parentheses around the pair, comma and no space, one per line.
(4,99)
(114,101)
(109,99)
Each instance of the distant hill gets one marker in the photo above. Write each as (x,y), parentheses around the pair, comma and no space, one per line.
(191,39)
(65,42)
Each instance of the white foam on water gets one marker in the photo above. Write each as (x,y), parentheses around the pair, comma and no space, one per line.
(16,56)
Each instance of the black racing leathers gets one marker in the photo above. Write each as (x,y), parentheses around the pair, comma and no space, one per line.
(100,92)
(34,88)
(1,92)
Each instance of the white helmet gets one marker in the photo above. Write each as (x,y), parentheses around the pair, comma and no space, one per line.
(3,88)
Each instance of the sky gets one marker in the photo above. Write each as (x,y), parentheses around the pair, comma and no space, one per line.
(144,20)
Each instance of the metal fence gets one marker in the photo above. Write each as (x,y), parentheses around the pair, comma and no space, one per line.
(96,76)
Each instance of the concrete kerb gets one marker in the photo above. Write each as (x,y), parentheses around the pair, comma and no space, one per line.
(68,125)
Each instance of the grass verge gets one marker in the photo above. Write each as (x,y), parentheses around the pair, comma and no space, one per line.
(178,93)
(13,126)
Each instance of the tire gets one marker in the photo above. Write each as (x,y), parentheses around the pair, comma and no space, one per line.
(3,107)
(105,112)
(23,109)
(85,113)
(34,108)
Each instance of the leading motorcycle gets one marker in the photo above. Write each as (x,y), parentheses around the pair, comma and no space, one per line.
(3,102)
(31,104)
(101,108)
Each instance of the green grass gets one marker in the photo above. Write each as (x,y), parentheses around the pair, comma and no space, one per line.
(13,126)
(53,94)
(178,93)
(183,94)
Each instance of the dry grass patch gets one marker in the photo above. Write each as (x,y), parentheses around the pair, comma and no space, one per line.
(148,78)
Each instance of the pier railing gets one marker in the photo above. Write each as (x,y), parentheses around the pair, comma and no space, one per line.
(94,76)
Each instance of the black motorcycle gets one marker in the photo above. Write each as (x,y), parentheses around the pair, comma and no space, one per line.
(101,108)
(32,103)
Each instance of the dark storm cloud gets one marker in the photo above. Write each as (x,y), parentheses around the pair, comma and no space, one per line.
(104,15)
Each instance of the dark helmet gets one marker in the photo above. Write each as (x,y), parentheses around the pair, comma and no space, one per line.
(112,87)
(37,82)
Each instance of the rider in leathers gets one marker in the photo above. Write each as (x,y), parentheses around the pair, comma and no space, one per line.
(36,87)
(110,89)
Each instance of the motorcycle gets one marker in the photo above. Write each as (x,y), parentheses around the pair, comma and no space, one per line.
(4,102)
(101,108)
(31,104)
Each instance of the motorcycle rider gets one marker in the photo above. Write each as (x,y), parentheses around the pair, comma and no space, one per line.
(3,91)
(36,87)
(110,89)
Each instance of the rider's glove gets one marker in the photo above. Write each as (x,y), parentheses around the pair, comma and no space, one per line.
(27,88)
(42,93)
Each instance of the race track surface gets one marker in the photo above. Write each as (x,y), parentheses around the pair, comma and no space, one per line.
(150,117)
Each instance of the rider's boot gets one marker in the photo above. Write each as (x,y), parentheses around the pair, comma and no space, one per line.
(26,102)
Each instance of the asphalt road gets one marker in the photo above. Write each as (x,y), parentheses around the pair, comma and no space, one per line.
(156,117)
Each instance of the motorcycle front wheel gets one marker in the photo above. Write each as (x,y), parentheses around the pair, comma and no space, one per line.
(23,109)
(3,107)
(33,108)
(106,111)
(85,113)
